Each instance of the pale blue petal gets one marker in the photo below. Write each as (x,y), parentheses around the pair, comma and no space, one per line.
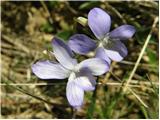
(100,53)
(81,44)
(96,65)
(99,22)
(123,32)
(117,51)
(62,55)
(74,94)
(49,70)
(85,80)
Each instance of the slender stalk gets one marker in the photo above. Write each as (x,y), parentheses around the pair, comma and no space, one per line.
(29,84)
(74,112)
(34,96)
(140,64)
(99,83)
(137,97)
(140,56)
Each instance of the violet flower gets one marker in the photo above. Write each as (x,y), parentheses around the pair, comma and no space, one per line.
(80,76)
(108,44)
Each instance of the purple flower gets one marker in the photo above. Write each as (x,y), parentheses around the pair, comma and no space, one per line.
(108,44)
(80,76)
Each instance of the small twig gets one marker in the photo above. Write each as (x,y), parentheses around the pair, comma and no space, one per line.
(28,84)
(115,76)
(137,97)
(108,83)
(33,96)
(116,84)
(140,64)
(47,11)
(70,8)
(116,12)
(142,82)
(140,56)
(121,85)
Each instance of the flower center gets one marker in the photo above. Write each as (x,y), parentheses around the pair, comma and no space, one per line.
(75,69)
(106,42)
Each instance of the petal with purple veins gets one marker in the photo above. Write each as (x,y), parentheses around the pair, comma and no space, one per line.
(100,53)
(74,94)
(96,65)
(62,54)
(49,70)
(123,32)
(117,51)
(81,44)
(85,80)
(85,83)
(99,22)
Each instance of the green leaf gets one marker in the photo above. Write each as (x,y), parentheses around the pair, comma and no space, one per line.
(142,34)
(47,28)
(153,40)
(89,4)
(52,4)
(152,56)
(64,34)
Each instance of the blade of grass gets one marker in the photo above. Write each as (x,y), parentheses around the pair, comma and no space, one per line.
(145,113)
(154,87)
(91,108)
(27,93)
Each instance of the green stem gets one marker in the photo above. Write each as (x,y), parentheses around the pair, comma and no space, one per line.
(92,105)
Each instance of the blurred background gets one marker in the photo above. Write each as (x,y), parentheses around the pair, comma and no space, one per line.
(27,30)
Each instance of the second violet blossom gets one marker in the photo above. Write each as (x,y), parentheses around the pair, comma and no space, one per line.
(80,76)
(109,44)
